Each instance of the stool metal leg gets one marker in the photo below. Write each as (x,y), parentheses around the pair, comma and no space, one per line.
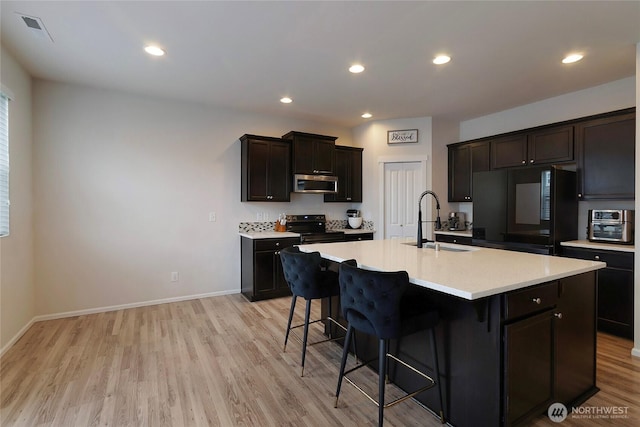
(436,369)
(382,378)
(286,337)
(307,313)
(343,362)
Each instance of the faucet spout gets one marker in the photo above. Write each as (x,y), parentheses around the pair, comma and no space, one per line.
(438,223)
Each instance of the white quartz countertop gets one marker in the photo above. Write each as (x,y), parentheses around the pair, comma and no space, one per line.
(283,234)
(471,274)
(586,244)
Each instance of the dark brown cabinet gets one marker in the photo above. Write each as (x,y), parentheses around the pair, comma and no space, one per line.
(615,289)
(450,238)
(261,270)
(464,159)
(312,154)
(265,169)
(606,157)
(358,237)
(348,169)
(549,346)
(542,146)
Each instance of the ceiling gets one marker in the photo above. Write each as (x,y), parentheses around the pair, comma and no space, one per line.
(247,55)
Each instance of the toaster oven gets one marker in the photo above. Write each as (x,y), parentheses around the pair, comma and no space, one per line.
(611,225)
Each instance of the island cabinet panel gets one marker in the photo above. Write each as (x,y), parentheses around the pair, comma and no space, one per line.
(348,169)
(615,289)
(261,270)
(312,154)
(464,160)
(503,359)
(606,157)
(265,169)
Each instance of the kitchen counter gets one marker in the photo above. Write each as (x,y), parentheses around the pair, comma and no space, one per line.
(467,272)
(284,234)
(586,244)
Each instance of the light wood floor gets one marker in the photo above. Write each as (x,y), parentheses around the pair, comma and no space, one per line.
(216,362)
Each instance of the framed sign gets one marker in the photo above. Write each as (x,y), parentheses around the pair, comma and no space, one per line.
(402,136)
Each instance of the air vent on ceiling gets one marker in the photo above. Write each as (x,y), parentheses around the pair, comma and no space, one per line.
(36,26)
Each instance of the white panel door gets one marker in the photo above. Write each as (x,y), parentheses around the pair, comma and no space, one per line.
(403,184)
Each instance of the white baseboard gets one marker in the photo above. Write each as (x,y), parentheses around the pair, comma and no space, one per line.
(53,316)
(635,352)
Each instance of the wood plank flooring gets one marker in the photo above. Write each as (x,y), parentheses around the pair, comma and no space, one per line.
(217,362)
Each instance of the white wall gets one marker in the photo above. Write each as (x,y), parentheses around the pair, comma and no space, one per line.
(123,188)
(372,136)
(636,265)
(17,288)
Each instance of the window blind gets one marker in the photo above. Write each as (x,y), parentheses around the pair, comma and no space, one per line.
(4,165)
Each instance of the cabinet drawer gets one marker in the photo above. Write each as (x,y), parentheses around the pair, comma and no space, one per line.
(530,300)
(448,238)
(613,259)
(275,244)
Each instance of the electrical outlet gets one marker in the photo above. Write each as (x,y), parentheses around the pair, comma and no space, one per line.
(174,276)
(259,216)
(212,217)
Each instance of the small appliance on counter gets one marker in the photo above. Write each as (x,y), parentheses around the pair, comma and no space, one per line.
(611,225)
(457,221)
(354,219)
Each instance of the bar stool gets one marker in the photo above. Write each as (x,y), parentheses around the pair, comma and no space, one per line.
(372,303)
(310,279)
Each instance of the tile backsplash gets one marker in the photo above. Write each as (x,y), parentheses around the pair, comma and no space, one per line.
(332,224)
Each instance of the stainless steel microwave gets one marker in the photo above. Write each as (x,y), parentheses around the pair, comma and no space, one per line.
(323,184)
(611,225)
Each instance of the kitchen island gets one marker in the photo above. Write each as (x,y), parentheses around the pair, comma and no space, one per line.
(517,330)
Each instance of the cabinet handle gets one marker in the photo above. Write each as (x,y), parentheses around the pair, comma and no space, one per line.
(580,195)
(348,198)
(558,315)
(277,243)
(277,252)
(597,257)
(537,300)
(531,161)
(455,241)
(524,162)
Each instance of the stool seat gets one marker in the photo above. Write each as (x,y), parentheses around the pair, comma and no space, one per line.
(376,303)
(308,277)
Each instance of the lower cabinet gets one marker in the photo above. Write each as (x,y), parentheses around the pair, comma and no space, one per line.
(549,346)
(261,271)
(449,238)
(615,289)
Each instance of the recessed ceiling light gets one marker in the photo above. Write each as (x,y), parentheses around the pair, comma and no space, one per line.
(286,100)
(154,50)
(356,68)
(366,116)
(441,59)
(574,57)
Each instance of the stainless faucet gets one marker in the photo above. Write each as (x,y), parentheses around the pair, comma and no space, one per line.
(438,223)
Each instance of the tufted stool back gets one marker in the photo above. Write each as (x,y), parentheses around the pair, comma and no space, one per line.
(371,299)
(306,276)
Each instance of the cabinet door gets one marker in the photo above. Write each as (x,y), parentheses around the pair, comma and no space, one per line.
(257,172)
(348,169)
(279,177)
(554,145)
(575,328)
(528,364)
(303,155)
(615,301)
(265,272)
(324,157)
(606,157)
(460,173)
(509,151)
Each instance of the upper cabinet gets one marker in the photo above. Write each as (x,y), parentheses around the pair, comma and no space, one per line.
(312,154)
(266,169)
(606,157)
(464,159)
(543,146)
(348,169)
